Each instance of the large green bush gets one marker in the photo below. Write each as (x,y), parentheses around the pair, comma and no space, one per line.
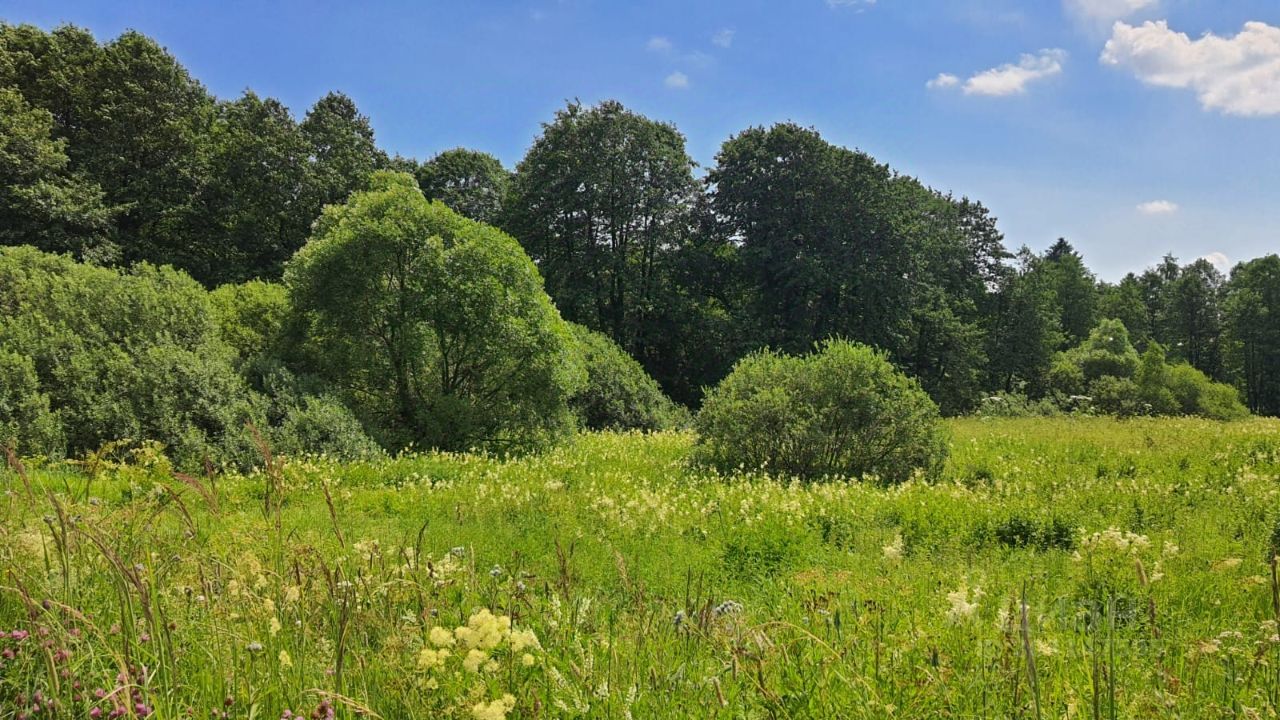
(842,410)
(435,328)
(115,355)
(619,394)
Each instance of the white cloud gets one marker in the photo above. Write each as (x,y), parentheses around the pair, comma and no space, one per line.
(1219,260)
(659,44)
(1237,75)
(677,80)
(1158,207)
(1106,10)
(944,80)
(723,38)
(1008,79)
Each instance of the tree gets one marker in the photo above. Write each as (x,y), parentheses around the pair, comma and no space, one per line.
(1192,316)
(1252,332)
(342,149)
(1025,329)
(1075,290)
(434,327)
(1125,301)
(42,203)
(134,121)
(471,183)
(599,202)
(253,213)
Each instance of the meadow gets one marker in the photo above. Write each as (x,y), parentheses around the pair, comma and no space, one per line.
(1060,568)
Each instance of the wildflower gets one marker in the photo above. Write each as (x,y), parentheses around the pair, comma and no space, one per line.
(429,659)
(961,607)
(484,630)
(440,637)
(679,619)
(1227,564)
(1046,649)
(286,662)
(521,639)
(474,659)
(893,551)
(495,710)
(254,647)
(495,572)
(274,626)
(527,660)
(292,594)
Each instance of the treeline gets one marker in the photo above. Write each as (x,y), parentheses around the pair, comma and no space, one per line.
(113,153)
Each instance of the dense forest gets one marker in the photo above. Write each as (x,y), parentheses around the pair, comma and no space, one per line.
(180,218)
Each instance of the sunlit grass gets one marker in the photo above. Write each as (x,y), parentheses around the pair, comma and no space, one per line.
(1062,568)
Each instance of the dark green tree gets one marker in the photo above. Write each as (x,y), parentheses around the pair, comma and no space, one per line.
(599,202)
(253,213)
(1191,317)
(343,153)
(470,182)
(1252,332)
(1024,331)
(1075,290)
(42,203)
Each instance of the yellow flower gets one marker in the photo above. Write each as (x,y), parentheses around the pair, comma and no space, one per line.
(527,660)
(286,662)
(440,637)
(496,710)
(474,659)
(521,639)
(274,626)
(291,594)
(429,659)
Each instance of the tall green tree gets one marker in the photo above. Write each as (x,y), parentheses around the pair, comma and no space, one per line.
(1125,301)
(1252,332)
(43,203)
(253,213)
(470,182)
(135,123)
(435,328)
(1192,317)
(1025,329)
(342,148)
(599,202)
(1075,290)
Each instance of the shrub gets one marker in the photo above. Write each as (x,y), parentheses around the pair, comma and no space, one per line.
(1195,394)
(1003,404)
(435,327)
(842,410)
(119,355)
(26,422)
(306,419)
(251,318)
(619,394)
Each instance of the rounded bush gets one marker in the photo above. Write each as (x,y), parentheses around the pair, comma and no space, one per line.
(619,394)
(843,410)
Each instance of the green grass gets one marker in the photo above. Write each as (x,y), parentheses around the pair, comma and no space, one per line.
(1085,568)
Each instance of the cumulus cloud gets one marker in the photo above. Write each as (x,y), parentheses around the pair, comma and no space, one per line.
(1106,10)
(723,38)
(1158,207)
(677,80)
(1008,79)
(944,80)
(1237,75)
(659,44)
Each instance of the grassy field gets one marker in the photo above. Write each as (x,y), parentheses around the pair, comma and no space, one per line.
(1084,568)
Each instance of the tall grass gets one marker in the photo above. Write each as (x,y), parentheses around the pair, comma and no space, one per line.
(1063,567)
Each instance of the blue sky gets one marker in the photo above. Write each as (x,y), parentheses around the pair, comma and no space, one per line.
(1157,134)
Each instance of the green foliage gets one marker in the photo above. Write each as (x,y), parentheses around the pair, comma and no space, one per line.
(1108,370)
(434,328)
(618,393)
(121,355)
(472,183)
(251,318)
(1011,405)
(43,203)
(1252,334)
(26,422)
(842,410)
